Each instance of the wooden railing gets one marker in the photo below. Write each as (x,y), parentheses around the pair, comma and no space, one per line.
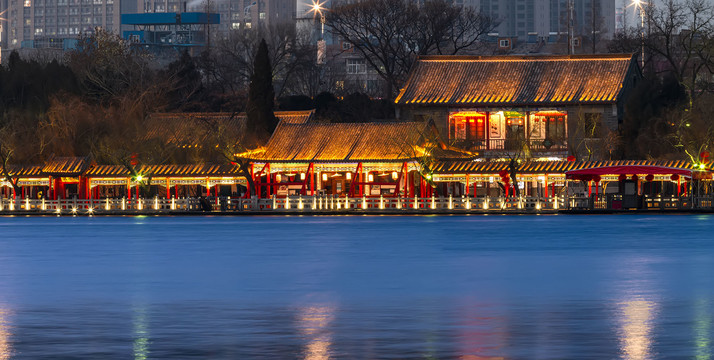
(505,144)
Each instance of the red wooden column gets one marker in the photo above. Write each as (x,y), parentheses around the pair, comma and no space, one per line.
(546,186)
(488,130)
(168,188)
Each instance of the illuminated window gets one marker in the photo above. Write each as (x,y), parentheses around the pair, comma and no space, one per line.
(356,66)
(28,3)
(467,126)
(262,16)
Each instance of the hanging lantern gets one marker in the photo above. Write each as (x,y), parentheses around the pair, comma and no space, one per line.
(324,176)
(370,177)
(635,178)
(674,177)
(571,158)
(394,175)
(649,177)
(348,176)
(302,176)
(622,177)
(278,177)
(597,178)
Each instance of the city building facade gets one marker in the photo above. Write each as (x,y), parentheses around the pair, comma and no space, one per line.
(55,24)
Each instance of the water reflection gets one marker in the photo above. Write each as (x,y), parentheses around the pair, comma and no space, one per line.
(702,330)
(5,344)
(141,333)
(636,328)
(481,331)
(314,323)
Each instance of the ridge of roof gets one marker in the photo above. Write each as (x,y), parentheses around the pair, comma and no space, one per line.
(617,56)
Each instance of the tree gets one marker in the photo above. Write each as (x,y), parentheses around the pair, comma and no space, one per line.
(692,130)
(389,34)
(229,65)
(261,96)
(108,66)
(187,83)
(682,34)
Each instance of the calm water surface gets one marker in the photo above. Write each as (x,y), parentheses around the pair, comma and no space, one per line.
(472,287)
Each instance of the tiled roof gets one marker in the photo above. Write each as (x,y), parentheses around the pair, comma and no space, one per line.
(66,165)
(313,142)
(545,167)
(515,80)
(188,170)
(25,170)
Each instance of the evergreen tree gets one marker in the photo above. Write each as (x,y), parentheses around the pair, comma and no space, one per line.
(261,95)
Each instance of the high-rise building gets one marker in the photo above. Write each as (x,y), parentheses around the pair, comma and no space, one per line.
(54,23)
(238,14)
(547,20)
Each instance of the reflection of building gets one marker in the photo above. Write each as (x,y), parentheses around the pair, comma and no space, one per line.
(501,103)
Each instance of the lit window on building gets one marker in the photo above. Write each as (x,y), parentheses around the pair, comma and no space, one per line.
(262,16)
(28,3)
(469,125)
(356,66)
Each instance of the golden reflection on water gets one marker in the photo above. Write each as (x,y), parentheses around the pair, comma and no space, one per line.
(5,345)
(314,322)
(636,317)
(141,333)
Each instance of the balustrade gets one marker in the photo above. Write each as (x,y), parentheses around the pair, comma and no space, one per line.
(335,204)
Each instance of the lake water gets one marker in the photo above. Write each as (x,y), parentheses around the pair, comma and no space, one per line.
(435,287)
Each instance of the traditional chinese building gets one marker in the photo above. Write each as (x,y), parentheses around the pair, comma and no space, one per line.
(549,105)
(352,159)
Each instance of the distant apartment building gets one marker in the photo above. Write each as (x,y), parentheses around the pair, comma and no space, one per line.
(547,20)
(242,14)
(54,23)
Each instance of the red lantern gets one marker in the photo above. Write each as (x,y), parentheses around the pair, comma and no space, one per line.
(571,158)
(649,177)
(622,177)
(234,163)
(133,162)
(503,173)
(597,178)
(635,178)
(674,177)
(704,154)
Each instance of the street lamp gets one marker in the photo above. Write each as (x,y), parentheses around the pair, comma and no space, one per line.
(639,5)
(317,9)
